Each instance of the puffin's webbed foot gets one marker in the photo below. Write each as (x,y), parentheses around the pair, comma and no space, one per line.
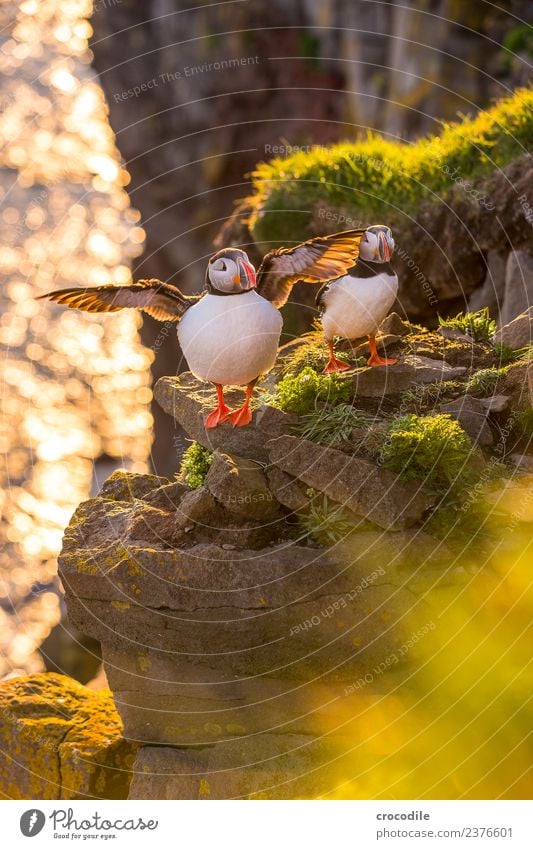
(243,416)
(380,361)
(333,364)
(374,358)
(240,417)
(221,413)
(217,416)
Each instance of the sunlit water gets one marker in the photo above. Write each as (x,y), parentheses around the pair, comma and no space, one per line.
(75,387)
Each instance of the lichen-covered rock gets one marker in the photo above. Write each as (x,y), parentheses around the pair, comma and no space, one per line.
(364,488)
(471,414)
(126,486)
(518,333)
(189,402)
(61,741)
(240,486)
(411,371)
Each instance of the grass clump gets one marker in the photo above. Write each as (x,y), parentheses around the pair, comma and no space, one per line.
(299,393)
(195,465)
(507,355)
(432,448)
(484,380)
(425,396)
(479,325)
(378,178)
(333,425)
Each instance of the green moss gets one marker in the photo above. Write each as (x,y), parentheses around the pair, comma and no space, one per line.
(479,325)
(195,465)
(300,393)
(433,448)
(384,179)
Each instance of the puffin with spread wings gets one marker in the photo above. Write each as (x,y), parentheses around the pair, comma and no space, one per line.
(230,333)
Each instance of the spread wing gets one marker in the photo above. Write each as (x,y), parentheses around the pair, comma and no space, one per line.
(315,261)
(160,300)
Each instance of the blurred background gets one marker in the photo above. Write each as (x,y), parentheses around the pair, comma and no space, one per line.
(127,133)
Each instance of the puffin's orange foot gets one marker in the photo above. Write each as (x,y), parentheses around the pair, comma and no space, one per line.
(240,417)
(376,360)
(334,365)
(218,416)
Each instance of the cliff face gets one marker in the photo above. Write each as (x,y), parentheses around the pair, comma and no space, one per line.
(257,614)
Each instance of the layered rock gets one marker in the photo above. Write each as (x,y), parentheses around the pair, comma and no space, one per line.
(202,644)
(364,488)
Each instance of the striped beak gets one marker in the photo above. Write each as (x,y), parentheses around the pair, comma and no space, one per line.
(383,247)
(246,274)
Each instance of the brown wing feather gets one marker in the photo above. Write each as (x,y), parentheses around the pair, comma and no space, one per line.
(315,261)
(160,300)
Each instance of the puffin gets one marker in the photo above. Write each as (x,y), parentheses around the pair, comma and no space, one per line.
(229,334)
(354,304)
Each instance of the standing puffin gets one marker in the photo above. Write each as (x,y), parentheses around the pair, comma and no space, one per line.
(230,333)
(356,303)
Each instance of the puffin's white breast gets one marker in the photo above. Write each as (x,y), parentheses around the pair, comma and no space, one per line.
(230,339)
(355,306)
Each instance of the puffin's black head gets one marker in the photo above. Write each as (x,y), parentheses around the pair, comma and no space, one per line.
(377,244)
(230,272)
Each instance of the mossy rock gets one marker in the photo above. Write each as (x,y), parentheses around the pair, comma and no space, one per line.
(60,740)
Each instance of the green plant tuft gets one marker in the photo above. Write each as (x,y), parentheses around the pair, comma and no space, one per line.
(333,425)
(484,380)
(325,521)
(433,448)
(300,393)
(423,397)
(479,325)
(195,465)
(524,423)
(507,355)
